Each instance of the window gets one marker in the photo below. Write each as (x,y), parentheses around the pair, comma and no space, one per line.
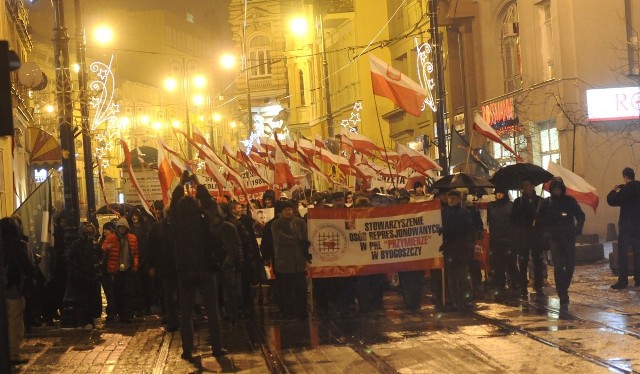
(549,143)
(512,66)
(301,78)
(546,40)
(518,143)
(260,56)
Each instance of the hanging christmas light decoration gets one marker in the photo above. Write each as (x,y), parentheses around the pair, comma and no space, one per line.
(352,123)
(105,110)
(425,73)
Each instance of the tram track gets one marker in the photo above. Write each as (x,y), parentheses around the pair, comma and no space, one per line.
(505,325)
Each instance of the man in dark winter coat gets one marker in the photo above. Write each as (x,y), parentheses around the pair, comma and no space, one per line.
(249,258)
(84,260)
(502,255)
(527,237)
(458,243)
(190,233)
(627,197)
(290,244)
(163,265)
(18,268)
(231,267)
(561,219)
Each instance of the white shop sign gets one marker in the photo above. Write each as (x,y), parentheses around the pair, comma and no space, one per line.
(610,104)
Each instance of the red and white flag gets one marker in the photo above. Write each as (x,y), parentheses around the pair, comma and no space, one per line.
(165,174)
(307,147)
(397,87)
(282,175)
(481,126)
(132,176)
(418,161)
(577,187)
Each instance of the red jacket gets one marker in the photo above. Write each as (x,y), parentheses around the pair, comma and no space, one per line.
(111,246)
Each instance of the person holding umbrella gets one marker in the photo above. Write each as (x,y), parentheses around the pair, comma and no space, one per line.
(527,237)
(561,219)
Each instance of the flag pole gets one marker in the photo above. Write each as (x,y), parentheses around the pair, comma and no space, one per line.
(466,164)
(386,155)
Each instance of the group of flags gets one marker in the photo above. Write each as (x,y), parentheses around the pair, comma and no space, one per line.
(409,95)
(271,158)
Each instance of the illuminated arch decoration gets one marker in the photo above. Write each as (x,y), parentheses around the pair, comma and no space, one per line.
(426,73)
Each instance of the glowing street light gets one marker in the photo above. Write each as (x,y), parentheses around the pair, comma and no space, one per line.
(198,100)
(299,26)
(144,119)
(175,123)
(124,122)
(170,84)
(156,125)
(199,81)
(227,61)
(103,34)
(49,108)
(216,117)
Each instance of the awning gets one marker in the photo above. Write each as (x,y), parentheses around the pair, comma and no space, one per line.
(43,148)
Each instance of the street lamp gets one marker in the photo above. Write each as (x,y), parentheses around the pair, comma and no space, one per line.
(197,81)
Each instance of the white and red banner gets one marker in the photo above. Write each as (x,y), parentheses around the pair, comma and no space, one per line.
(374,240)
(577,187)
(397,87)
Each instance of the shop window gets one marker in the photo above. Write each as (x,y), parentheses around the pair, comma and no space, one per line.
(549,143)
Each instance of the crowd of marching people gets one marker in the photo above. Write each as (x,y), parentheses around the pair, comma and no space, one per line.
(205,256)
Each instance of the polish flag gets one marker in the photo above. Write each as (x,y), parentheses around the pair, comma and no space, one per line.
(319,143)
(282,175)
(577,187)
(361,143)
(397,87)
(307,147)
(418,161)
(170,166)
(481,126)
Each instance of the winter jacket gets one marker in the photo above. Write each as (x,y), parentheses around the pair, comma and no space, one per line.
(523,212)
(499,220)
(289,235)
(161,250)
(190,232)
(84,260)
(458,234)
(628,199)
(228,234)
(111,246)
(561,217)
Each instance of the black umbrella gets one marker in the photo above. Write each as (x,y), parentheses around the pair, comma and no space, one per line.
(461,180)
(511,176)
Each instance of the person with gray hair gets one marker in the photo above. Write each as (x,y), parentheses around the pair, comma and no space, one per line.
(627,197)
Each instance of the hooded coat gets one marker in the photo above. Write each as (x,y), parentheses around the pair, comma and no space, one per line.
(111,246)
(560,217)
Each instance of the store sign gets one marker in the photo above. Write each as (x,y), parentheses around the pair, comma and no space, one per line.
(499,112)
(611,104)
